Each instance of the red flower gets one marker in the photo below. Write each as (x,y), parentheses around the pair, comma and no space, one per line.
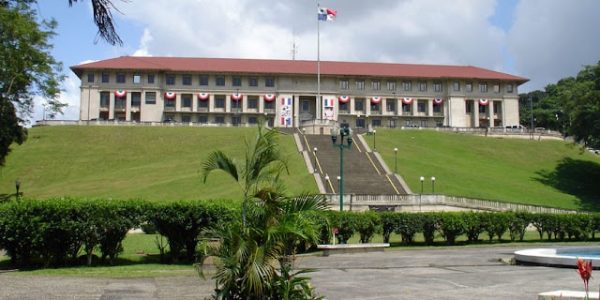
(584,268)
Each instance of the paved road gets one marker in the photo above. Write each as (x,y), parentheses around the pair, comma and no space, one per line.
(456,273)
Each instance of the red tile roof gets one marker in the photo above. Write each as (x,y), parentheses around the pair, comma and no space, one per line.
(301,67)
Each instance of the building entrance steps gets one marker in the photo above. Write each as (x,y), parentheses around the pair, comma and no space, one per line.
(363,172)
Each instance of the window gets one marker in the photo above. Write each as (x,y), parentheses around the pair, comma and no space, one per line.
(170,103)
(406,107)
(469,87)
(375,107)
(219,101)
(170,80)
(509,88)
(236,81)
(186,119)
(437,108)
(186,101)
(423,86)
(483,88)
(186,79)
(150,97)
(104,99)
(469,107)
(391,85)
(482,109)
(220,120)
(496,88)
(253,102)
(343,107)
(203,79)
(203,119)
(421,106)
(360,123)
(344,84)
(376,123)
(269,105)
(202,103)
(120,77)
(136,99)
(390,105)
(437,87)
(90,77)
(220,80)
(137,78)
(252,120)
(360,84)
(252,81)
(456,86)
(105,77)
(407,86)
(376,85)
(359,104)
(269,82)
(151,78)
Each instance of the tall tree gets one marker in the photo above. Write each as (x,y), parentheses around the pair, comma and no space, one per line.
(27,69)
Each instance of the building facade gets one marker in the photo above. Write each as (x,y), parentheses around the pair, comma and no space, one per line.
(241,92)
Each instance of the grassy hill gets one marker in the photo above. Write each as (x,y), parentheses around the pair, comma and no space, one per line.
(154,163)
(550,173)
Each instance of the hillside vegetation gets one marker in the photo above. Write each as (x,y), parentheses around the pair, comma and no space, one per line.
(549,173)
(153,163)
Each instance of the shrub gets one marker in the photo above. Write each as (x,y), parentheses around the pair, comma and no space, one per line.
(451,226)
(345,222)
(407,225)
(495,224)
(366,223)
(518,223)
(388,224)
(430,223)
(473,225)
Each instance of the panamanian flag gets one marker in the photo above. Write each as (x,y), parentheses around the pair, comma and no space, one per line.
(285,117)
(326,14)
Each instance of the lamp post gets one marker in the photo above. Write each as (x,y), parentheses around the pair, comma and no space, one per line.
(432,184)
(17,187)
(315,155)
(421,195)
(374,140)
(396,160)
(344,132)
(327,181)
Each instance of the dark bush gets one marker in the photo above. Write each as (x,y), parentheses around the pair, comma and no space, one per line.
(473,225)
(407,225)
(430,223)
(388,224)
(345,222)
(367,224)
(451,226)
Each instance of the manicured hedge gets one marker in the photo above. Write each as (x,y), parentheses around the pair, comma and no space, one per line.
(55,232)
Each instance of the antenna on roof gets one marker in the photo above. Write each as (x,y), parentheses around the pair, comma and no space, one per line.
(294,46)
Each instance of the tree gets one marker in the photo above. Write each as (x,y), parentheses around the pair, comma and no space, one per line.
(261,168)
(26,69)
(104,20)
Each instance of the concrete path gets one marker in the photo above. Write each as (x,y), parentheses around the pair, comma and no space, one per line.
(453,273)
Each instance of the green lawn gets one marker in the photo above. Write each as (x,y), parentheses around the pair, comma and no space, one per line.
(549,173)
(153,163)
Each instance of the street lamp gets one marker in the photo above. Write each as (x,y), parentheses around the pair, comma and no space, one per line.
(432,184)
(374,140)
(17,186)
(421,195)
(396,160)
(315,155)
(327,181)
(344,132)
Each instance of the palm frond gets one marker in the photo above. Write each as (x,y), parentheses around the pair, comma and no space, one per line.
(217,160)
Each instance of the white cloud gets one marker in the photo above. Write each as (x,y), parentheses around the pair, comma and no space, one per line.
(144,41)
(449,32)
(553,39)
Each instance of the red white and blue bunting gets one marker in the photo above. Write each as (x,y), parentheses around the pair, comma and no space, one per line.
(120,93)
(344,99)
(375,100)
(236,96)
(170,95)
(484,102)
(407,100)
(438,101)
(203,96)
(269,97)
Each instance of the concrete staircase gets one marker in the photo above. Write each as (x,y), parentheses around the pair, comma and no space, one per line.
(363,174)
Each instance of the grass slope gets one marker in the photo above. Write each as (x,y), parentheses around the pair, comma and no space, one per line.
(153,163)
(549,173)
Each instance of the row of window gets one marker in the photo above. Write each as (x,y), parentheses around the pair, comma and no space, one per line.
(186,101)
(186,79)
(359,105)
(422,86)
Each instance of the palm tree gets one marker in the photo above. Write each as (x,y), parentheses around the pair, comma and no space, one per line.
(261,168)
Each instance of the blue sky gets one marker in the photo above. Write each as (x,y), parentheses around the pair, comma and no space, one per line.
(543,40)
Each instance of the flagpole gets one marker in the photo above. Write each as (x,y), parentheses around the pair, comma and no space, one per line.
(318,108)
